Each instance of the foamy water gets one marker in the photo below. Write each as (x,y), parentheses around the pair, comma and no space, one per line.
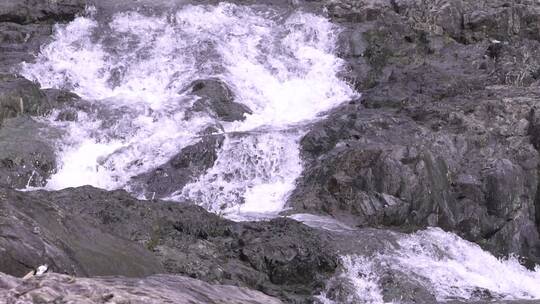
(135,69)
(447,266)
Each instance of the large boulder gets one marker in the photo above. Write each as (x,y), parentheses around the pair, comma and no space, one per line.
(26,159)
(216,99)
(134,238)
(445,133)
(154,289)
(31,11)
(36,232)
(19,96)
(181,169)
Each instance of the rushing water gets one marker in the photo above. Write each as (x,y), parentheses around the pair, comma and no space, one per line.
(136,66)
(133,69)
(446,266)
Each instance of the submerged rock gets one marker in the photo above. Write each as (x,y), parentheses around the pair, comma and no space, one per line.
(217,99)
(154,289)
(183,168)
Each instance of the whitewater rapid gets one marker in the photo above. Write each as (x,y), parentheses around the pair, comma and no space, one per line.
(447,266)
(134,68)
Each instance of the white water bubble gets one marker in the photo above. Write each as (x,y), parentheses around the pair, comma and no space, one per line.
(135,68)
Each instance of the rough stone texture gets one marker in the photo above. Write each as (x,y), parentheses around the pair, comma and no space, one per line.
(19,96)
(33,11)
(216,99)
(25,158)
(86,231)
(183,168)
(26,24)
(446,131)
(55,288)
(36,232)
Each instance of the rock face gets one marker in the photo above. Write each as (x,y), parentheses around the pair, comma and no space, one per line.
(183,168)
(19,96)
(26,156)
(282,258)
(155,290)
(32,11)
(445,133)
(25,159)
(216,99)
(25,25)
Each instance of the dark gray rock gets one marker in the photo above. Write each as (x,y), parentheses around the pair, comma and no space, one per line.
(183,168)
(19,96)
(36,231)
(282,257)
(445,131)
(26,159)
(216,99)
(32,11)
(154,289)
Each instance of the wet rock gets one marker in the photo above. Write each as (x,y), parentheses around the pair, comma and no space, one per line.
(216,99)
(154,289)
(466,165)
(398,287)
(25,158)
(282,257)
(31,11)
(37,231)
(183,168)
(20,96)
(443,134)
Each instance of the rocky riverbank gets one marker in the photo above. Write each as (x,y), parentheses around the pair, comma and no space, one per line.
(445,134)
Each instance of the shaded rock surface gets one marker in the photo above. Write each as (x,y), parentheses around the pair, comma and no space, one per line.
(88,232)
(445,133)
(216,99)
(55,288)
(19,96)
(25,158)
(26,24)
(31,11)
(183,168)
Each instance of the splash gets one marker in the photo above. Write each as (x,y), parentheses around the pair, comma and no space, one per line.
(446,266)
(134,68)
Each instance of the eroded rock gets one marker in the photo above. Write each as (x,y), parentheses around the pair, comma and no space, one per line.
(216,99)
(154,289)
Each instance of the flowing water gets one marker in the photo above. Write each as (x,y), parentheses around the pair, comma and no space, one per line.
(133,68)
(440,262)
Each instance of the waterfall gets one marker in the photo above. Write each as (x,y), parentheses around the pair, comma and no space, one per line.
(133,68)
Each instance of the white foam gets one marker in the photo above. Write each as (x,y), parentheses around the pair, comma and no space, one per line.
(252,174)
(281,65)
(447,266)
(363,277)
(454,268)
